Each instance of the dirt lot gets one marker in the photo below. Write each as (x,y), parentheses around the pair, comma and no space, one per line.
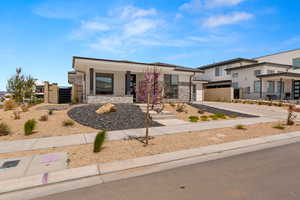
(82,155)
(52,127)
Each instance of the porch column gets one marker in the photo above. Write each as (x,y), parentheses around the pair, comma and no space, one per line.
(92,81)
(190,96)
(261,88)
(293,90)
(127,83)
(280,90)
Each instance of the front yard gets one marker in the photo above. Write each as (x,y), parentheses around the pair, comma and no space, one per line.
(82,155)
(52,127)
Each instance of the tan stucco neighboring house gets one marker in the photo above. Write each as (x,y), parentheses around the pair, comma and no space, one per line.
(101,80)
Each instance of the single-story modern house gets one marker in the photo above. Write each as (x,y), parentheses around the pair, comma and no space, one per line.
(116,81)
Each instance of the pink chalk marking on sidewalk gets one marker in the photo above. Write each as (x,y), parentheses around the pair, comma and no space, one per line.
(48,159)
(45,178)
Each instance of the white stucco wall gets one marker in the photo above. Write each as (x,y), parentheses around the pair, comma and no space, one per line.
(282,58)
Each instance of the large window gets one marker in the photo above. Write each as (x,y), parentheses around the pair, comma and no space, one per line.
(256,86)
(279,87)
(296,62)
(171,86)
(235,75)
(270,71)
(235,85)
(257,72)
(104,83)
(271,87)
(218,71)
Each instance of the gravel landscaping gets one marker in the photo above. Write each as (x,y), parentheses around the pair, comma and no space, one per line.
(127,116)
(218,110)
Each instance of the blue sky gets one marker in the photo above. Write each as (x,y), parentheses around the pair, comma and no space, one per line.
(41,36)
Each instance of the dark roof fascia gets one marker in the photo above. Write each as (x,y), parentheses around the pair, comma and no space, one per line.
(235,60)
(291,50)
(215,82)
(177,68)
(258,64)
(291,74)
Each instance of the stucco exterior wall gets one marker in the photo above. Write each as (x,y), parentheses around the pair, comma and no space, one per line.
(218,94)
(282,58)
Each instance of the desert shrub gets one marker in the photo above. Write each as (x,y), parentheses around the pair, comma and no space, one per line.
(4,129)
(1,106)
(193,118)
(240,127)
(68,122)
(204,118)
(29,126)
(280,104)
(220,115)
(172,104)
(279,126)
(99,141)
(50,112)
(24,107)
(35,101)
(180,108)
(233,116)
(9,105)
(44,118)
(16,115)
(214,117)
(260,103)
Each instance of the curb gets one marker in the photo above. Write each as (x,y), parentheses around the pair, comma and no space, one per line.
(129,168)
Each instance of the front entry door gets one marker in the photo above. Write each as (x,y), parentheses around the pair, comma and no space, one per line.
(236,93)
(296,90)
(132,86)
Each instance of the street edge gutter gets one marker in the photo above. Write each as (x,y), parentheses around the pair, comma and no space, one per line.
(118,170)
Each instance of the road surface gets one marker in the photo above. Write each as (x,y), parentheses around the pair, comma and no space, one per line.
(263,175)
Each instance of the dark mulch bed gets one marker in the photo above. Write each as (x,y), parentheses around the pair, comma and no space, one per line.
(218,110)
(127,116)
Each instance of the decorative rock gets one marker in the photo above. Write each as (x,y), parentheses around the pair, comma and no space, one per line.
(106,108)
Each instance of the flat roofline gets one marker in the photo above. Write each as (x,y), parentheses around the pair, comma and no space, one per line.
(258,64)
(176,67)
(277,53)
(235,60)
(288,74)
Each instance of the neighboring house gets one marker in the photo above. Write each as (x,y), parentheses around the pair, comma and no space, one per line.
(275,76)
(101,80)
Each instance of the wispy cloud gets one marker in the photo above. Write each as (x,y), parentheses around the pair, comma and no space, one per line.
(221,3)
(197,5)
(232,18)
(192,5)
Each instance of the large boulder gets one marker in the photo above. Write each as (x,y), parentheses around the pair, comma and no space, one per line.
(106,108)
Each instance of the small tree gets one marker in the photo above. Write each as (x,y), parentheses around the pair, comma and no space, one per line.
(150,92)
(21,86)
(15,85)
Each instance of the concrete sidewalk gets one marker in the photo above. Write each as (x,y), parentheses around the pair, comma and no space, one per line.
(101,173)
(88,138)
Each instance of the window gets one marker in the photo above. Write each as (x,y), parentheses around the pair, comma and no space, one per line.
(217,71)
(271,87)
(270,71)
(256,86)
(235,75)
(104,83)
(228,72)
(171,86)
(296,62)
(247,90)
(257,72)
(279,87)
(235,85)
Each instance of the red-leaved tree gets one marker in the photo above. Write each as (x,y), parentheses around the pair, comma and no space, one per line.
(150,92)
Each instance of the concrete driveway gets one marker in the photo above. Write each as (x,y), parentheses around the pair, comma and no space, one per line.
(260,110)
